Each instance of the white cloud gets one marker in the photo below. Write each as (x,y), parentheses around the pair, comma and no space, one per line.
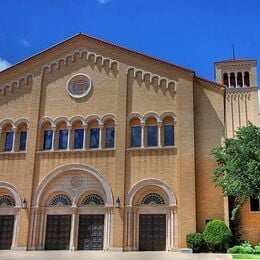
(24,42)
(4,64)
(102,2)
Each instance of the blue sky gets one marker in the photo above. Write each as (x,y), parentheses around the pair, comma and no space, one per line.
(190,33)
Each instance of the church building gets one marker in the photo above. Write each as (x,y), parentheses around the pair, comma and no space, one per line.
(105,148)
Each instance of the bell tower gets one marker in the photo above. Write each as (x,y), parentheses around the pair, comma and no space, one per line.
(241,102)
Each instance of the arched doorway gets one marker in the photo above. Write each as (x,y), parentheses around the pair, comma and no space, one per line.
(72,209)
(10,205)
(151,219)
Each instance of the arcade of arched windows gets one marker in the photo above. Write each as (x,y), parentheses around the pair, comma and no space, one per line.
(78,133)
(151,130)
(236,79)
(13,135)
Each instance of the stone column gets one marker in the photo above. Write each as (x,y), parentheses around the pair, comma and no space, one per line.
(101,126)
(142,134)
(73,229)
(159,134)
(107,229)
(69,137)
(53,138)
(243,79)
(135,235)
(236,79)
(228,79)
(14,139)
(85,127)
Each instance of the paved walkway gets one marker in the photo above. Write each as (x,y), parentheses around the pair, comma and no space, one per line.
(80,255)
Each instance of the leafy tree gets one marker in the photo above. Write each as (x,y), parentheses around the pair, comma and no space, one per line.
(238,166)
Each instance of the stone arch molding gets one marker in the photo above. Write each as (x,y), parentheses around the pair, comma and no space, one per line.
(150,182)
(13,123)
(69,121)
(60,171)
(13,190)
(159,117)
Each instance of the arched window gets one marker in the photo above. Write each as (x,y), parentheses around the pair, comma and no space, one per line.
(63,132)
(225,79)
(8,132)
(135,132)
(78,134)
(60,200)
(93,200)
(246,79)
(109,126)
(6,201)
(94,134)
(22,135)
(168,131)
(151,132)
(239,79)
(47,136)
(153,199)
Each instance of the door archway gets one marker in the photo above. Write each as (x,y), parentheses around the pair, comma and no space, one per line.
(80,195)
(151,201)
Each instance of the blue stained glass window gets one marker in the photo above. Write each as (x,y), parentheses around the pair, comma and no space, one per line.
(94,138)
(152,133)
(63,139)
(23,137)
(47,141)
(78,138)
(168,135)
(9,141)
(110,137)
(135,136)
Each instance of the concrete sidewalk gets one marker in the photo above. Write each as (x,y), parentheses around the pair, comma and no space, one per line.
(80,255)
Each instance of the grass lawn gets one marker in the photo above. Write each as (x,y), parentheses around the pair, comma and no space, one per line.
(246,257)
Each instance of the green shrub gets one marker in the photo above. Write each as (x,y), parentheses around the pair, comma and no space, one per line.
(244,248)
(217,235)
(235,250)
(196,242)
(257,249)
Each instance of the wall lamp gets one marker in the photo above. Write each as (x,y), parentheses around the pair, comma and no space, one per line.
(117,205)
(24,204)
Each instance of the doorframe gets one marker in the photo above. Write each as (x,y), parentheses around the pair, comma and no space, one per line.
(16,212)
(162,214)
(132,225)
(39,222)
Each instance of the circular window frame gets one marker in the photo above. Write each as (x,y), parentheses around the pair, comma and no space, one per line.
(84,94)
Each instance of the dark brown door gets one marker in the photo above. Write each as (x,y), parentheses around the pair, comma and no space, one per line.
(91,232)
(152,232)
(6,231)
(58,232)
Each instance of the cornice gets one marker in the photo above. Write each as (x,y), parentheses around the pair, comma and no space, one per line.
(80,52)
(15,83)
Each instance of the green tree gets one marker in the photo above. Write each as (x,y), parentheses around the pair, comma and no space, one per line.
(238,166)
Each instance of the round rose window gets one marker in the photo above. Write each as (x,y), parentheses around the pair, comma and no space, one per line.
(79,86)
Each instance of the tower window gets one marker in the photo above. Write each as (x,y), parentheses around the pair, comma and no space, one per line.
(232,80)
(239,79)
(225,79)
(246,79)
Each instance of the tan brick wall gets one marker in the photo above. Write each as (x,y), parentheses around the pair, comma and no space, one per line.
(184,168)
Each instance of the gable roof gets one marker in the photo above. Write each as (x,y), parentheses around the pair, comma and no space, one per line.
(38,56)
(59,45)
